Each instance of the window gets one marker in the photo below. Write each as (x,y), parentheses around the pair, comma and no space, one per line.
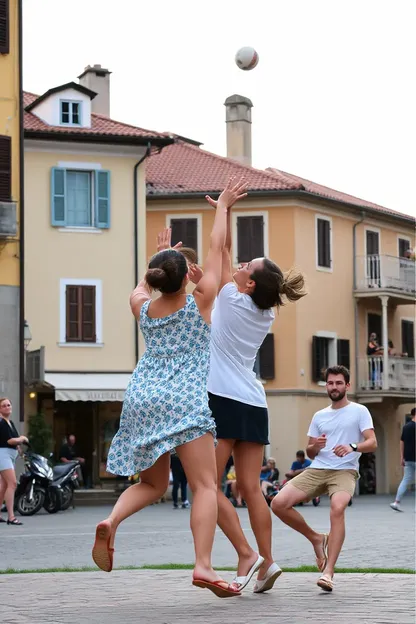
(5,169)
(328,350)
(81,323)
(404,245)
(264,366)
(408,338)
(372,247)
(80,198)
(323,243)
(250,238)
(4,27)
(185,230)
(71,113)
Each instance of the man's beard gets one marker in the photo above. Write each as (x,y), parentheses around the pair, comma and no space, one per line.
(338,397)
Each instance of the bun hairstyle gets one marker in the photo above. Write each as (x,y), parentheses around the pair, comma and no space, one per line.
(167,270)
(272,285)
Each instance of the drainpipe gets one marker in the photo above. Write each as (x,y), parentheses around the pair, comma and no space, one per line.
(354,251)
(22,352)
(135,238)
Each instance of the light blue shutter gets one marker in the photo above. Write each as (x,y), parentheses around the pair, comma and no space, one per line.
(58,196)
(102,199)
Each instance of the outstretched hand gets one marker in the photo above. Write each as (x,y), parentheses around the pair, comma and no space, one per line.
(195,273)
(164,240)
(231,194)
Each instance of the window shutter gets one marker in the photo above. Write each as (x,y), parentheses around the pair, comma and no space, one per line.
(404,245)
(243,239)
(102,199)
(324,243)
(4,27)
(408,337)
(316,359)
(185,230)
(88,314)
(5,168)
(257,237)
(250,238)
(343,353)
(266,357)
(58,196)
(73,314)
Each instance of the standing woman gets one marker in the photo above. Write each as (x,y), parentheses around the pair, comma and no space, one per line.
(9,442)
(166,403)
(241,319)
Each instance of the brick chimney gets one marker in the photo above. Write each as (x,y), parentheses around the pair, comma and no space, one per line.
(97,79)
(238,120)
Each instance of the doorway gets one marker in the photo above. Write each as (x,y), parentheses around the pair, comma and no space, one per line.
(372,250)
(374,325)
(78,418)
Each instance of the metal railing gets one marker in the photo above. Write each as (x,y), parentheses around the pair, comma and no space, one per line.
(401,374)
(382,271)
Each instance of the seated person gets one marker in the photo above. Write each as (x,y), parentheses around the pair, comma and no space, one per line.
(269,475)
(298,466)
(232,482)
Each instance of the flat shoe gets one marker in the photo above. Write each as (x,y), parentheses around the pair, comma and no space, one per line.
(243,581)
(101,552)
(15,522)
(321,563)
(326,583)
(2,520)
(267,583)
(222,589)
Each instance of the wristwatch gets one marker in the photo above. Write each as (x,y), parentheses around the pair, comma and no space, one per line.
(354,446)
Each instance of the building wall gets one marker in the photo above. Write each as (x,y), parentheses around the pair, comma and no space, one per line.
(106,255)
(9,248)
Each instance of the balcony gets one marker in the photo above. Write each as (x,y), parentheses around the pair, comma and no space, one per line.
(399,381)
(385,275)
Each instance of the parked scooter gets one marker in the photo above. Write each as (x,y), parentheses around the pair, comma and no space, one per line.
(65,476)
(36,487)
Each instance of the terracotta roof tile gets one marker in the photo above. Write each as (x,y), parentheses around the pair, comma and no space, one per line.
(100,125)
(185,168)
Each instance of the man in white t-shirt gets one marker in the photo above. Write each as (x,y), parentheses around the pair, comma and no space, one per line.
(338,435)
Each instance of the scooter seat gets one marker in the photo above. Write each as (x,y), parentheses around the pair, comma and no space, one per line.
(62,469)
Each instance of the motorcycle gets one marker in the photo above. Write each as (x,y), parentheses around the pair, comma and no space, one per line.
(65,476)
(36,487)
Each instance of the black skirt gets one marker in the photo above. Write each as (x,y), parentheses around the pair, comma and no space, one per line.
(238,421)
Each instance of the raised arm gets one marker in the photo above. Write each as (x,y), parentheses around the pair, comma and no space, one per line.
(207,287)
(139,296)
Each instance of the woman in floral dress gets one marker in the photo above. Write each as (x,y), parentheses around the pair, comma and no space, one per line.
(166,405)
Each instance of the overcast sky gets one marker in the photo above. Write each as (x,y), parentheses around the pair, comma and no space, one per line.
(333,92)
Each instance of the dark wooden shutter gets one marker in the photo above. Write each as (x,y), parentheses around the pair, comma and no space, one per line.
(343,353)
(88,314)
(185,230)
(4,27)
(319,358)
(404,245)
(266,358)
(324,243)
(250,238)
(73,314)
(5,168)
(408,338)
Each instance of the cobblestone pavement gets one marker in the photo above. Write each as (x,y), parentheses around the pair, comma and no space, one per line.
(376,537)
(151,597)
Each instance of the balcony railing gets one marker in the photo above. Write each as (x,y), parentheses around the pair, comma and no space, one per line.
(401,374)
(381,272)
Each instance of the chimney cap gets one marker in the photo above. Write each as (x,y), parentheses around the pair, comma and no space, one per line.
(235,99)
(96,69)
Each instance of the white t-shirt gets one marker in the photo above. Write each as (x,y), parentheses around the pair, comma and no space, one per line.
(341,426)
(238,328)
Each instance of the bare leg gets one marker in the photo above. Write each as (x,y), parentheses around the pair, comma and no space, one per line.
(9,485)
(248,458)
(2,490)
(236,493)
(282,506)
(198,460)
(153,484)
(228,519)
(339,502)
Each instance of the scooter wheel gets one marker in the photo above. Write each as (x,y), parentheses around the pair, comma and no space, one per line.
(53,501)
(25,507)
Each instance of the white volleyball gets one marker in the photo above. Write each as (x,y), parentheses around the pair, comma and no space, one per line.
(246,58)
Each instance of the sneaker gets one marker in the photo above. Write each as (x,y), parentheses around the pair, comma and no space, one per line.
(175,506)
(396,506)
(186,505)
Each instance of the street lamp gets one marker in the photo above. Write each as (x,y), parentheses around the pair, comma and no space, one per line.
(27,336)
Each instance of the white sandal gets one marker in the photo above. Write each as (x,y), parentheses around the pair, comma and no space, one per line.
(243,581)
(267,583)
(326,583)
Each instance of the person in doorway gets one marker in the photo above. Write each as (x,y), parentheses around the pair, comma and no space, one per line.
(166,402)
(69,453)
(338,434)
(375,350)
(9,445)
(298,466)
(407,460)
(241,319)
(179,481)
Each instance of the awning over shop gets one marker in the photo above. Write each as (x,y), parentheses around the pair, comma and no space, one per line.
(88,386)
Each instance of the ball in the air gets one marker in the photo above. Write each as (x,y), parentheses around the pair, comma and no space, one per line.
(246,58)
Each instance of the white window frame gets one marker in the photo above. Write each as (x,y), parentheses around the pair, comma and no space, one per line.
(190,215)
(248,213)
(63,283)
(403,237)
(369,228)
(332,348)
(90,167)
(71,124)
(329,269)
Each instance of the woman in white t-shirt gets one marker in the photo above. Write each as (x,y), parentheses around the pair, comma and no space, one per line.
(241,319)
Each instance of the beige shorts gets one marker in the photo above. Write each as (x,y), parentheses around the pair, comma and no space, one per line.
(318,481)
